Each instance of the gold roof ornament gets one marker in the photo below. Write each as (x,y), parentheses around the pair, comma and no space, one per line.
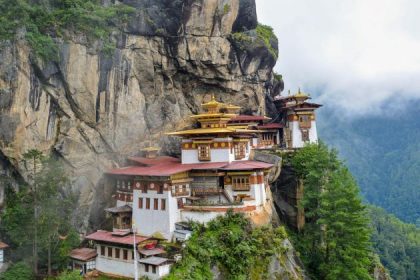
(301,96)
(212,105)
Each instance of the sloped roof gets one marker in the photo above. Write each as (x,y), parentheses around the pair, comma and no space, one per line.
(248,118)
(246,165)
(154,260)
(107,236)
(83,254)
(3,245)
(121,209)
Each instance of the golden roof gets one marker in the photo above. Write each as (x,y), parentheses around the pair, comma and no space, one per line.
(212,103)
(300,94)
(221,130)
(214,115)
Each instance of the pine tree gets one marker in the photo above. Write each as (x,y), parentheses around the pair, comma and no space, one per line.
(335,240)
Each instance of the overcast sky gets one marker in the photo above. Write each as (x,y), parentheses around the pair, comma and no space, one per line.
(361,55)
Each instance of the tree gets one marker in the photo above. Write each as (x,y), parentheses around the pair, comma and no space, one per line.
(39,213)
(70,275)
(334,243)
(18,271)
(33,158)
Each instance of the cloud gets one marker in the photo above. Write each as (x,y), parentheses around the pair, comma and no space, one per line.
(358,55)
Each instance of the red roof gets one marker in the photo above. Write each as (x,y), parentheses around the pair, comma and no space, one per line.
(247,165)
(248,118)
(154,170)
(106,236)
(83,254)
(270,126)
(206,165)
(3,245)
(154,161)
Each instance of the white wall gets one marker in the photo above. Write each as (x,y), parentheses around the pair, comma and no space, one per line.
(201,217)
(189,156)
(115,267)
(313,135)
(297,134)
(1,256)
(149,221)
(160,271)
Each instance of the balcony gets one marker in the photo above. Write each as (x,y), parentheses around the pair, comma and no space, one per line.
(185,192)
(203,191)
(242,187)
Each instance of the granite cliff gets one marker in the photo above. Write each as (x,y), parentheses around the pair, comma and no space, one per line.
(92,109)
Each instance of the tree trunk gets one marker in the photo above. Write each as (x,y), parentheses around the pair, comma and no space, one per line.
(49,257)
(35,246)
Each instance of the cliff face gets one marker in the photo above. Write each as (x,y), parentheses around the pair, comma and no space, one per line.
(93,109)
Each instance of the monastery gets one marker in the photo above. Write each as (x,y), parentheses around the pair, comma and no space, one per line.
(157,196)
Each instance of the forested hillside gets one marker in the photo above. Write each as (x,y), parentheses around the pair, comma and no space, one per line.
(383,153)
(397,244)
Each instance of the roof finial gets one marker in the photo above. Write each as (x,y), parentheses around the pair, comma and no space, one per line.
(299,91)
(289,91)
(213,98)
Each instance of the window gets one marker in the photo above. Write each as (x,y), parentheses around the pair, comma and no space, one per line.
(240,150)
(125,254)
(153,269)
(146,267)
(140,202)
(240,183)
(305,135)
(163,204)
(305,121)
(110,252)
(144,188)
(117,253)
(160,189)
(102,250)
(156,204)
(204,152)
(147,203)
(132,255)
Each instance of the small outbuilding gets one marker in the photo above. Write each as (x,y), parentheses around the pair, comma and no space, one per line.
(155,267)
(83,259)
(3,247)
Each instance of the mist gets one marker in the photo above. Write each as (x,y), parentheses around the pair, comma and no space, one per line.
(359,57)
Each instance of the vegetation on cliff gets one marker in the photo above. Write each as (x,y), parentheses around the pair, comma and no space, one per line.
(263,35)
(36,221)
(233,246)
(43,21)
(334,244)
(397,244)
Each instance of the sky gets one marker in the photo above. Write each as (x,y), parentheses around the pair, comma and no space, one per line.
(358,56)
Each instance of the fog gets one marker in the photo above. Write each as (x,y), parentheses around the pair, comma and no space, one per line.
(358,56)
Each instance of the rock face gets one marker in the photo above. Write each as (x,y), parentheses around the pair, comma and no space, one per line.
(92,110)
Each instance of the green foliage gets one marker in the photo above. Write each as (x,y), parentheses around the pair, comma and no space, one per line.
(18,271)
(226,9)
(334,243)
(277,77)
(42,21)
(38,214)
(383,153)
(266,34)
(242,37)
(233,246)
(397,243)
(70,275)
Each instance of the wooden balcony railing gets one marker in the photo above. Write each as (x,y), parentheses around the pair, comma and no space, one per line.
(181,193)
(206,191)
(242,187)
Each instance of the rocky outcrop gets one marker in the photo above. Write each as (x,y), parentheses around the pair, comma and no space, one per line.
(93,109)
